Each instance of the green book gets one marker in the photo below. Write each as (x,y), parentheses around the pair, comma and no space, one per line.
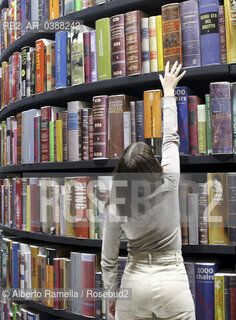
(77,56)
(103,48)
(202,141)
(51,140)
(15,308)
(234,114)
(78,5)
(208,123)
(96,211)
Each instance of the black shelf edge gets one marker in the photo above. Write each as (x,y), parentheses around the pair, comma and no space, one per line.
(57,313)
(233,71)
(128,84)
(96,165)
(92,243)
(27,39)
(3,4)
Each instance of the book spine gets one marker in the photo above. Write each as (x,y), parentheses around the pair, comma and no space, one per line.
(44,134)
(153,43)
(70,207)
(81,207)
(87,3)
(33,72)
(28,74)
(69,6)
(51,141)
(15,62)
(222,131)
(118,62)
(133,122)
(181,94)
(68,60)
(49,67)
(193,101)
(53,9)
(87,57)
(61,59)
(234,114)
(227,296)
(152,120)
(160,56)
(193,218)
(100,127)
(80,133)
(219,296)
(223,53)
(6,77)
(59,135)
(91,135)
(139,120)
(201,116)
(103,38)
(230,29)
(56,280)
(127,128)
(61,8)
(85,133)
(133,42)
(35,140)
(65,135)
(208,123)
(77,54)
(78,5)
(190,33)
(232,296)
(24,203)
(53,68)
(171,25)
(145,45)
(39,66)
(184,190)
(203,213)
(209,32)
(231,182)
(93,47)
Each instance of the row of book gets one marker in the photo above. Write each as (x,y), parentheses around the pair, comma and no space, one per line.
(23,15)
(213,289)
(104,128)
(75,207)
(50,271)
(125,44)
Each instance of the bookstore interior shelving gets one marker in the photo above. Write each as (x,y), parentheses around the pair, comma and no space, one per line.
(130,85)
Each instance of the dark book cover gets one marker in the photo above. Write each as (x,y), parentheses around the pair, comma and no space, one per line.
(139,119)
(85,134)
(133,42)
(203,213)
(171,33)
(209,31)
(100,127)
(118,60)
(233,92)
(190,31)
(133,122)
(53,79)
(90,134)
(68,60)
(87,57)
(193,101)
(231,180)
(23,71)
(232,282)
(222,135)
(80,133)
(44,136)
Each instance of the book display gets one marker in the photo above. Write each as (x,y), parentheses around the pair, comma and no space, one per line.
(79,82)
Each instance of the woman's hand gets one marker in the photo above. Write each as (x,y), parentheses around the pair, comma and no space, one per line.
(171,78)
(111,308)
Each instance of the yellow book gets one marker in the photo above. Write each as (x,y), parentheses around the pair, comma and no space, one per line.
(219,290)
(28,211)
(160,56)
(230,30)
(218,220)
(9,264)
(91,217)
(202,138)
(34,266)
(153,43)
(53,9)
(70,207)
(59,140)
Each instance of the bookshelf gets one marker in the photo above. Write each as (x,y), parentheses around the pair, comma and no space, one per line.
(131,85)
(198,78)
(97,244)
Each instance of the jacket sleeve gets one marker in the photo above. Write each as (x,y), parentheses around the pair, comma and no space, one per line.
(171,141)
(110,249)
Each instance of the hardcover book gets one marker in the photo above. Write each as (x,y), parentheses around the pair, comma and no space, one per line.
(93,48)
(231,198)
(145,45)
(223,52)
(77,56)
(193,101)
(61,59)
(230,29)
(201,119)
(153,43)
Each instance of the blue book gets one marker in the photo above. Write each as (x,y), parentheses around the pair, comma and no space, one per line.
(45,10)
(181,94)
(189,17)
(204,289)
(93,46)
(61,59)
(139,119)
(209,31)
(15,262)
(32,316)
(23,16)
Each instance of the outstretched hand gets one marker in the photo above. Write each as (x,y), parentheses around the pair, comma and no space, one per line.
(171,78)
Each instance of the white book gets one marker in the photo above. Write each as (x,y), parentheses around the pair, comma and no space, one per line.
(23,248)
(145,45)
(27,272)
(127,128)
(45,204)
(193,218)
(76,280)
(62,212)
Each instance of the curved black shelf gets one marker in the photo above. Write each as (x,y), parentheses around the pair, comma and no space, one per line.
(56,313)
(131,85)
(186,162)
(3,4)
(26,40)
(91,243)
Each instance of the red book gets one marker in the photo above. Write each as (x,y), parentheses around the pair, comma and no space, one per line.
(87,57)
(6,84)
(118,62)
(193,101)
(45,147)
(81,207)
(100,127)
(18,204)
(15,64)
(88,282)
(56,271)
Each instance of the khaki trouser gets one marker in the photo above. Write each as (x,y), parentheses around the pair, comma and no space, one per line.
(159,288)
